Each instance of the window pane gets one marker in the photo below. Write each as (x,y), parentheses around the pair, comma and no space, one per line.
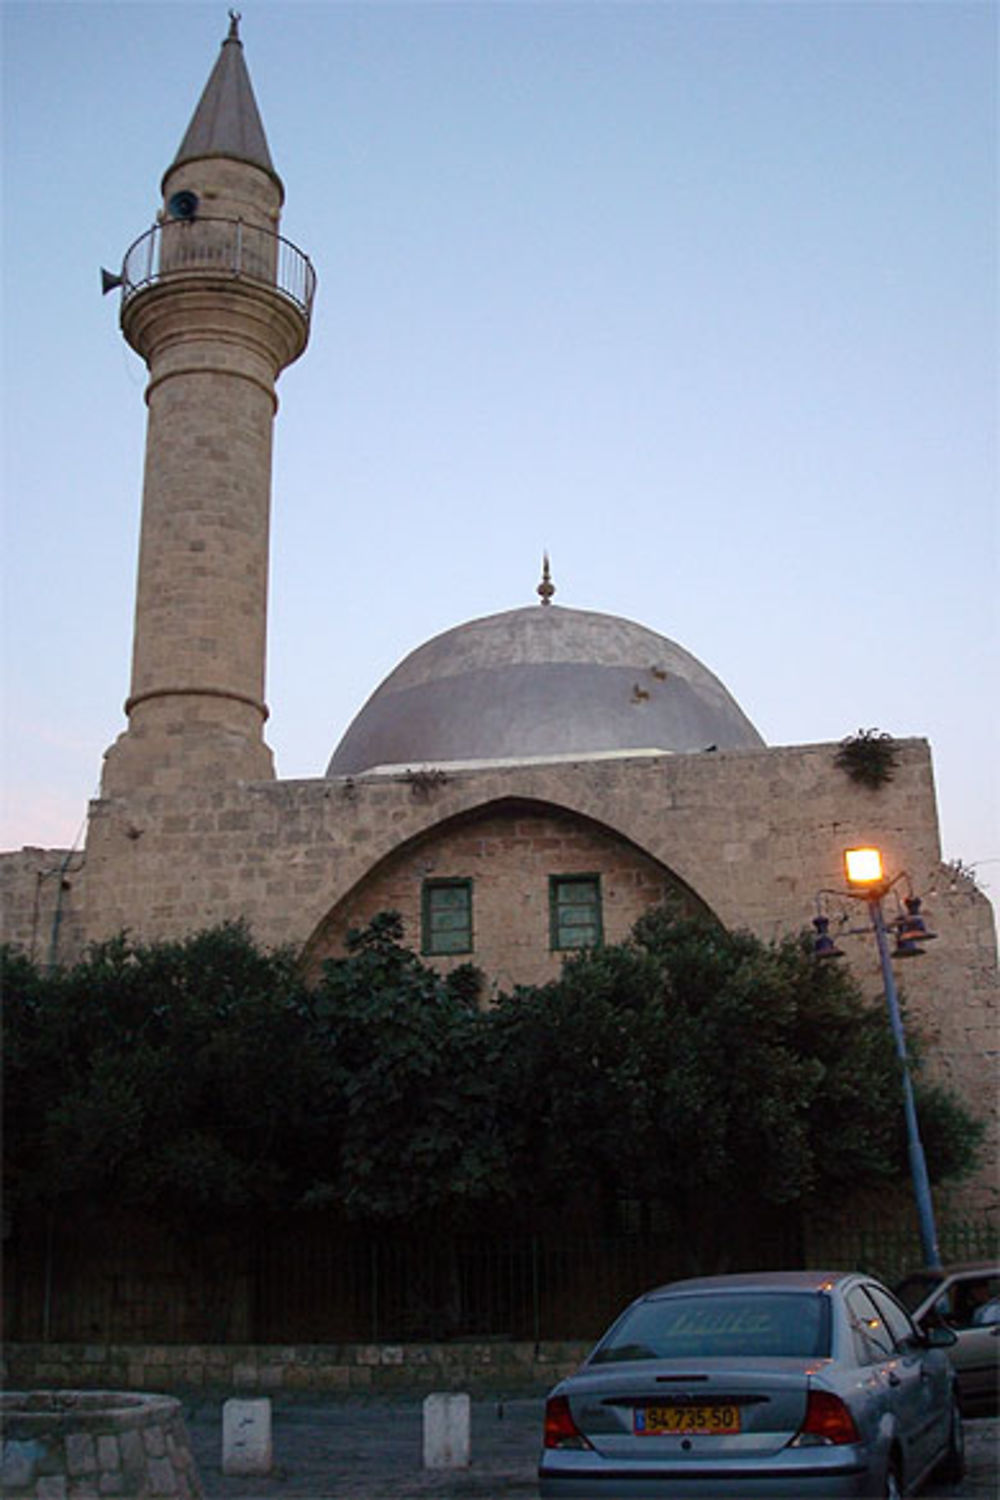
(453,897)
(576,911)
(912,1291)
(977,1301)
(869,1329)
(722,1324)
(449,942)
(447,926)
(895,1320)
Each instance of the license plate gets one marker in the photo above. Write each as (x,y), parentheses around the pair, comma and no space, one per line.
(717,1421)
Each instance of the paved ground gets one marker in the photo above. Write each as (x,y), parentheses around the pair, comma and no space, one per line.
(372,1449)
(329,1449)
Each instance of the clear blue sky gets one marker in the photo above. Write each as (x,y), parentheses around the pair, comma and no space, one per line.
(700,297)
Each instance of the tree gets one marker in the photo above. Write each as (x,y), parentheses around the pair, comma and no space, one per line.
(175,1078)
(414,1134)
(718,1082)
(714,1082)
(571,1078)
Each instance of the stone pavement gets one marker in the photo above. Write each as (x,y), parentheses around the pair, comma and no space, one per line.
(371,1449)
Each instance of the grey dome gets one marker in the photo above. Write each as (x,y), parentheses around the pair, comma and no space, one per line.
(541,681)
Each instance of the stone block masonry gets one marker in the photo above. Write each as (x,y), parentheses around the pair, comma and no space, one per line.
(269,1369)
(752,835)
(41,911)
(88,1445)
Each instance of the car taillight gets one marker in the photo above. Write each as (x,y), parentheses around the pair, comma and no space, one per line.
(560,1429)
(827,1420)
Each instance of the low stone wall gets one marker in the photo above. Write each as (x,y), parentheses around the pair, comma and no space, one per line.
(78,1445)
(353,1369)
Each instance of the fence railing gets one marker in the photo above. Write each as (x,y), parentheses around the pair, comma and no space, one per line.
(230,247)
(889,1252)
(318,1282)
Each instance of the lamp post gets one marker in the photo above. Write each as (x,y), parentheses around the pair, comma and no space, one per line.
(867,882)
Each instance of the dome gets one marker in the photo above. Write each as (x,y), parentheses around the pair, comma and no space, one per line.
(543,681)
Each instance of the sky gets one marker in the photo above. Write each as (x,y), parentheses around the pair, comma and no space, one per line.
(700,297)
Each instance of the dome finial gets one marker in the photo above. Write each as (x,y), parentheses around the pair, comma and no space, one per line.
(546,588)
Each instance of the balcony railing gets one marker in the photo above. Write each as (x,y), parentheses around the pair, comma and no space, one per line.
(227,247)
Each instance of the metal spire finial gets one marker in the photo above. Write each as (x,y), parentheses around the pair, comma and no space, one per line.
(234,26)
(546,588)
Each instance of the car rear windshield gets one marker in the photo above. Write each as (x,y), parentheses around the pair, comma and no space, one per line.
(722,1324)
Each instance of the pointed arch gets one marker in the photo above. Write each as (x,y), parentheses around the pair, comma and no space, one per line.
(503,861)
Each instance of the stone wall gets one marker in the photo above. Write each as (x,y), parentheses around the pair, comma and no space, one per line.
(350,1369)
(508,853)
(78,1445)
(752,834)
(42,908)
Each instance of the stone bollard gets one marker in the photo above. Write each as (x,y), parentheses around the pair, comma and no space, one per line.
(246,1436)
(446,1431)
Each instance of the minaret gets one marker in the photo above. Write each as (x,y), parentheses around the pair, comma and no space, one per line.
(217,304)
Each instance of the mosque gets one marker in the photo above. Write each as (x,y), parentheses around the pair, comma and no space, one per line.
(518,787)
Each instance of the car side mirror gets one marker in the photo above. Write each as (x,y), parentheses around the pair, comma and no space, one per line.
(940,1337)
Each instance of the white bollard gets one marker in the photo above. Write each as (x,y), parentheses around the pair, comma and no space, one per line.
(246,1436)
(446,1431)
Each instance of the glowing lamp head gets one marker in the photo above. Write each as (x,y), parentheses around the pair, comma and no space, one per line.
(864,867)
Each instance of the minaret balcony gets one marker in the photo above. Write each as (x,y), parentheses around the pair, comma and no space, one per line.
(196,247)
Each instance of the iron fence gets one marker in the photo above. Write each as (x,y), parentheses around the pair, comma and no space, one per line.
(319,1282)
(890,1251)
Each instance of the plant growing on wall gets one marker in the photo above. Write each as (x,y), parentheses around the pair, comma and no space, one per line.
(869,757)
(961,874)
(425,782)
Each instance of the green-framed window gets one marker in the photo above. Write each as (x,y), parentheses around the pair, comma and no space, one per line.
(575,911)
(446,916)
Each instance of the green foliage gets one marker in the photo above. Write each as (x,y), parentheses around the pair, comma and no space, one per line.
(406,1054)
(951,1137)
(173,1077)
(698,1073)
(571,1080)
(869,757)
(711,1077)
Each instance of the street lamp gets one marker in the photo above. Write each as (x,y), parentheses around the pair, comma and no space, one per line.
(867,881)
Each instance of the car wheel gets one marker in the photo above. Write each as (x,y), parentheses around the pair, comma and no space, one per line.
(952,1465)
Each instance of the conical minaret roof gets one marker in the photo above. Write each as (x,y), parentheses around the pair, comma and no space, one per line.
(227,121)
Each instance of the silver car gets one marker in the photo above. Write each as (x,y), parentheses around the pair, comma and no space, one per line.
(783,1384)
(966,1299)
